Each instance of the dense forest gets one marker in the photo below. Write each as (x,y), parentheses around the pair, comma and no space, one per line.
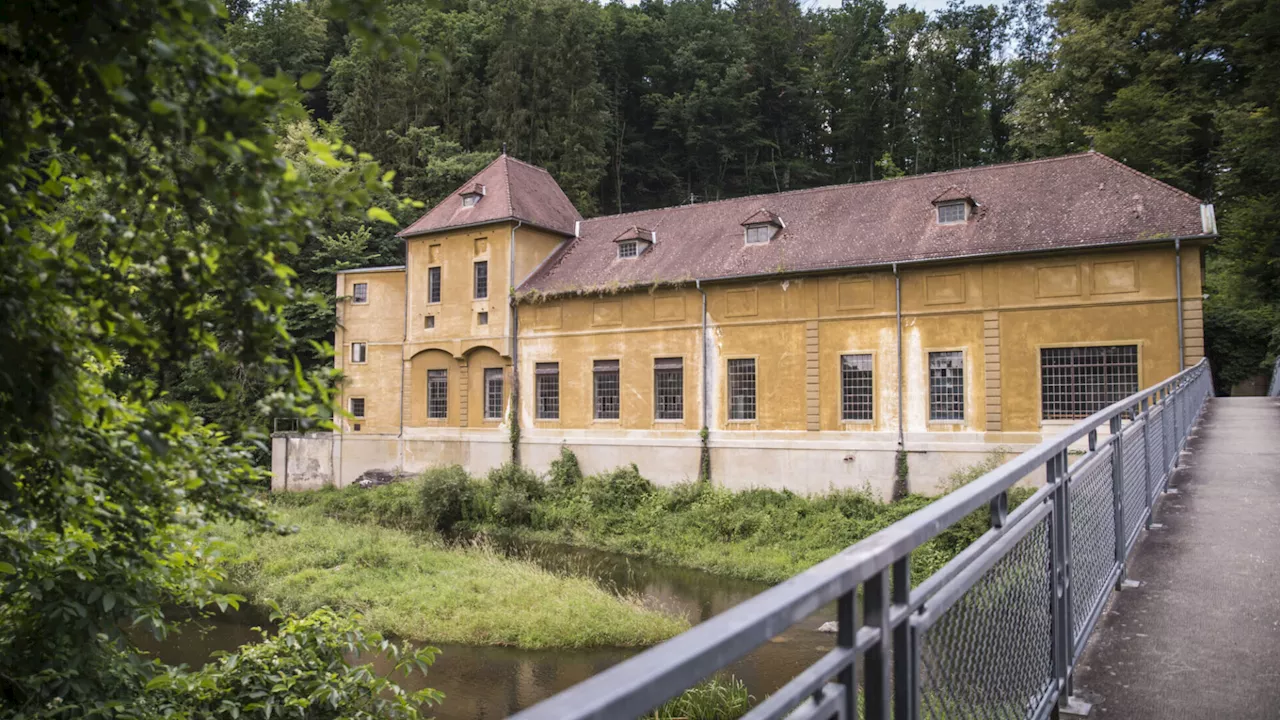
(668,102)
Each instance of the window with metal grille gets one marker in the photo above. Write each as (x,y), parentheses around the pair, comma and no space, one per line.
(547,390)
(493,393)
(359,352)
(952,212)
(482,279)
(668,388)
(360,293)
(606,389)
(759,234)
(742,389)
(433,285)
(856,388)
(1077,382)
(437,394)
(482,318)
(627,249)
(357,408)
(946,385)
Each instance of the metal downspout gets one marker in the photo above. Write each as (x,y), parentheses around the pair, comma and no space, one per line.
(897,292)
(706,389)
(404,342)
(513,329)
(1177,270)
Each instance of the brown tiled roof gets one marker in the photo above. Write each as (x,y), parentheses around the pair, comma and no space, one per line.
(513,190)
(1059,203)
(763,217)
(635,232)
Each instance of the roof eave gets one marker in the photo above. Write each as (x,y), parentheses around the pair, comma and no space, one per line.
(510,218)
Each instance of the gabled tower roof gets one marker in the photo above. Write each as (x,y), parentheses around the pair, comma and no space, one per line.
(513,190)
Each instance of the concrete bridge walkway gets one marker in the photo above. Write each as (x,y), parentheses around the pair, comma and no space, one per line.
(1200,637)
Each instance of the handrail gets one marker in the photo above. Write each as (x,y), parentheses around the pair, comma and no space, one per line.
(895,616)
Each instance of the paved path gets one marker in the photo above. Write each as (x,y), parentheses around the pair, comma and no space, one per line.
(1200,638)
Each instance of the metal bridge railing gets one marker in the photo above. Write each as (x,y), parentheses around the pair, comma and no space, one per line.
(995,633)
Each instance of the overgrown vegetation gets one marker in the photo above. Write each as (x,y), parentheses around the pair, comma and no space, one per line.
(715,699)
(766,535)
(409,585)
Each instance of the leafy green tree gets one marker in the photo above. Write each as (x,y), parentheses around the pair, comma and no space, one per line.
(105,474)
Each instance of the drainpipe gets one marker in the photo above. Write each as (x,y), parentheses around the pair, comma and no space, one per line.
(705,462)
(1177,281)
(513,325)
(897,291)
(404,342)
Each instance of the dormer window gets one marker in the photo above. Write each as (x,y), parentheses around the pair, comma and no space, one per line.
(954,206)
(761,227)
(472,194)
(760,234)
(953,212)
(634,241)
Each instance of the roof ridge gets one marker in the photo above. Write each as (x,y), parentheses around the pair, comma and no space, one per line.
(864,183)
(511,208)
(1147,177)
(539,168)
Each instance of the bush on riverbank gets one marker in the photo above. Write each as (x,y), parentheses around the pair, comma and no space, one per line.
(715,699)
(411,586)
(759,534)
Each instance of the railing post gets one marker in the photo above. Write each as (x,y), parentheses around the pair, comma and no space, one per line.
(1117,496)
(846,632)
(1146,459)
(906,679)
(1060,558)
(875,613)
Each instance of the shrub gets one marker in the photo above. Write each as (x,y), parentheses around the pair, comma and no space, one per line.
(448,497)
(517,477)
(565,470)
(622,488)
(511,506)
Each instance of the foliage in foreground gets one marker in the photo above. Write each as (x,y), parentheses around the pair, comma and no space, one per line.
(760,534)
(146,215)
(303,669)
(412,586)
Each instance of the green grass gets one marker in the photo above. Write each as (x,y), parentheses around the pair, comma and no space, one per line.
(412,586)
(762,535)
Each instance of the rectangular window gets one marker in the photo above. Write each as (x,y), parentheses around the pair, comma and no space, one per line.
(360,293)
(357,408)
(493,393)
(1079,381)
(547,390)
(482,318)
(627,249)
(430,322)
(359,352)
(759,234)
(668,388)
(946,385)
(742,389)
(606,389)
(433,285)
(482,279)
(437,394)
(856,388)
(953,212)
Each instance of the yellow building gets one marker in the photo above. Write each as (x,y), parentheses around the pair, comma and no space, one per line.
(813,333)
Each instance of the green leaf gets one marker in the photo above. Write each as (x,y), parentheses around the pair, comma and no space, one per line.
(7,569)
(377,213)
(160,107)
(310,80)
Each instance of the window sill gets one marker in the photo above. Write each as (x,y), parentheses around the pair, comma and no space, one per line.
(669,421)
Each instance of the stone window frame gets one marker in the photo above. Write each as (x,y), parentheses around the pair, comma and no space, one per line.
(606,376)
(936,402)
(668,365)
(870,388)
(492,409)
(730,389)
(546,396)
(438,394)
(360,293)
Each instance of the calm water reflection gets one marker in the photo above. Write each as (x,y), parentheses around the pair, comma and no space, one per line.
(493,682)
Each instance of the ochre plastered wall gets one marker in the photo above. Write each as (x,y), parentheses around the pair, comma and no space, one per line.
(633,328)
(379,323)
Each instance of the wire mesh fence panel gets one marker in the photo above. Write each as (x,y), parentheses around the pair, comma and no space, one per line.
(988,656)
(1155,448)
(1134,483)
(1093,538)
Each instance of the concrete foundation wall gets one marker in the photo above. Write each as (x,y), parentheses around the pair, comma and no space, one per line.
(806,463)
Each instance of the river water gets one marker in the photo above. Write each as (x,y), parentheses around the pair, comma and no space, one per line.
(493,682)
